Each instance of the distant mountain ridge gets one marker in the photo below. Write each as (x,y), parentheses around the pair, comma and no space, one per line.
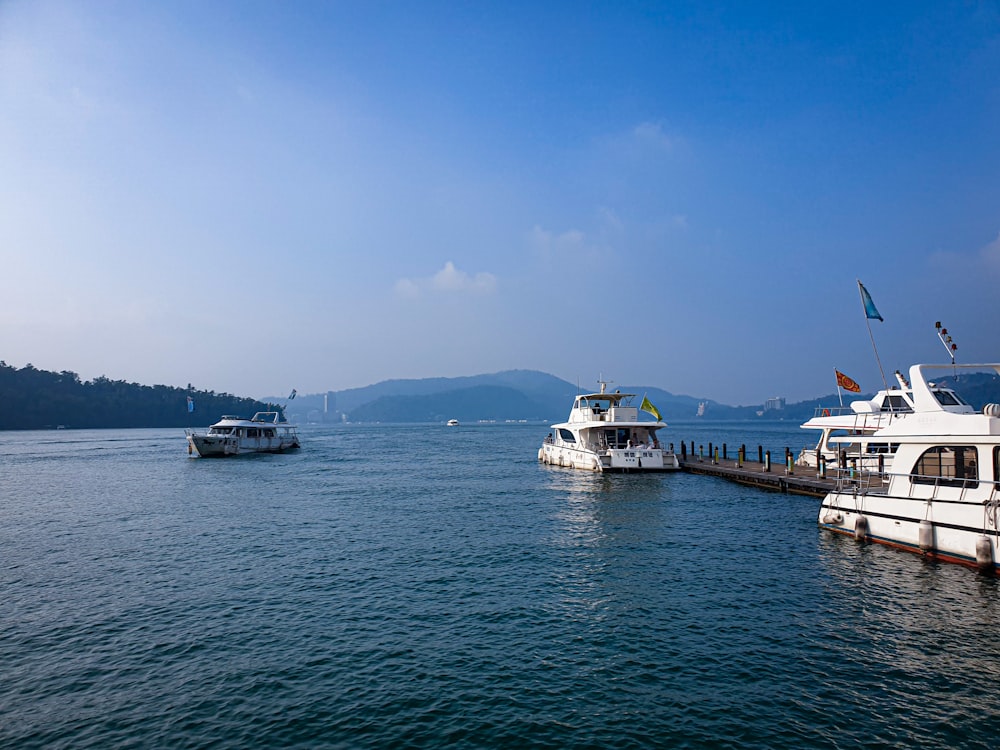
(507,395)
(535,395)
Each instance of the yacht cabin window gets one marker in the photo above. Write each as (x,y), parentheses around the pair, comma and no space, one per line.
(895,403)
(947,398)
(947,466)
(566,435)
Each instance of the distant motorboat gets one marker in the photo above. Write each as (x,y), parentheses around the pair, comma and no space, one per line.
(604,433)
(453,423)
(265,432)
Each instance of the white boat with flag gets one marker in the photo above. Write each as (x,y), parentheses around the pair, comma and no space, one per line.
(942,495)
(604,433)
(264,432)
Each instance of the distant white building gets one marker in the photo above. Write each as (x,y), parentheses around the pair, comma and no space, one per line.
(774,404)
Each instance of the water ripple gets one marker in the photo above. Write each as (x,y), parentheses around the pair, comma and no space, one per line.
(323,600)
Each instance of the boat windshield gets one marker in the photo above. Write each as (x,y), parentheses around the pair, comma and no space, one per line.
(948,398)
(895,403)
(219,430)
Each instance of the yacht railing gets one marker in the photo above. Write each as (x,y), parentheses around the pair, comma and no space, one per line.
(861,481)
(864,481)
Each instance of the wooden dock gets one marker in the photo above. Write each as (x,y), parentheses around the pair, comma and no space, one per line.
(802,481)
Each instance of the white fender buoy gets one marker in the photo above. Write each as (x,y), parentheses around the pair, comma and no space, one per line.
(832,518)
(861,528)
(925,535)
(541,454)
(594,464)
(984,553)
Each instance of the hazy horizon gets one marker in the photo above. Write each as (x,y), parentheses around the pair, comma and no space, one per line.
(257,196)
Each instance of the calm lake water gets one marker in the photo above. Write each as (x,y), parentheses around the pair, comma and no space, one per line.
(425,586)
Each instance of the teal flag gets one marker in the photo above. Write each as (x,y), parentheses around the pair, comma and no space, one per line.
(871,311)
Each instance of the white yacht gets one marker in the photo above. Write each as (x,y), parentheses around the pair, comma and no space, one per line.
(265,432)
(846,433)
(604,433)
(941,497)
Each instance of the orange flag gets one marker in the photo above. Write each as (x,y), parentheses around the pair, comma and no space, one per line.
(847,383)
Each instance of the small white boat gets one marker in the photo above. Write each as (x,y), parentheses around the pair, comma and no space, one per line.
(235,436)
(942,495)
(453,423)
(604,433)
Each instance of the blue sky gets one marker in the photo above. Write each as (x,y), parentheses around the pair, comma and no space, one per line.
(255,196)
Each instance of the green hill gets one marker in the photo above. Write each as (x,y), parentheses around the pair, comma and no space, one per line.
(38,399)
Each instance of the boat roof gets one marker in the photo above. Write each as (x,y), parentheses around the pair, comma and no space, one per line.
(261,417)
(615,397)
(940,411)
(869,415)
(591,424)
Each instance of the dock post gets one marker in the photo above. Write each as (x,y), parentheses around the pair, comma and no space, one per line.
(789,462)
(684,452)
(740,455)
(767,461)
(710,453)
(716,460)
(725,452)
(701,452)
(760,454)
(821,467)
(692,449)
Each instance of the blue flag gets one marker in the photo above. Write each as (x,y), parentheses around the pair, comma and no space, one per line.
(190,404)
(871,311)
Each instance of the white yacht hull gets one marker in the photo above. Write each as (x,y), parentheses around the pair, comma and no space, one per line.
(958,527)
(626,459)
(210,446)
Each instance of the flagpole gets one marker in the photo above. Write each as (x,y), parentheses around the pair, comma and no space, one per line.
(871,335)
(840,395)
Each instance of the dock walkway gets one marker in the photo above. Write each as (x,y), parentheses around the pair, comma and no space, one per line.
(803,480)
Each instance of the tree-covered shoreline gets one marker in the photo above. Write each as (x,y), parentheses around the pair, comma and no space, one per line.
(35,399)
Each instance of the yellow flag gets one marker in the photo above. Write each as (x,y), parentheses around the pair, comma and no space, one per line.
(647,406)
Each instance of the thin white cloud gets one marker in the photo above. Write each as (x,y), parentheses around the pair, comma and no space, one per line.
(991,254)
(549,243)
(449,280)
(652,134)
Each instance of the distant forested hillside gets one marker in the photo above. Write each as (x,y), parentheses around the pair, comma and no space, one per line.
(37,399)
(529,394)
(483,402)
(508,395)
